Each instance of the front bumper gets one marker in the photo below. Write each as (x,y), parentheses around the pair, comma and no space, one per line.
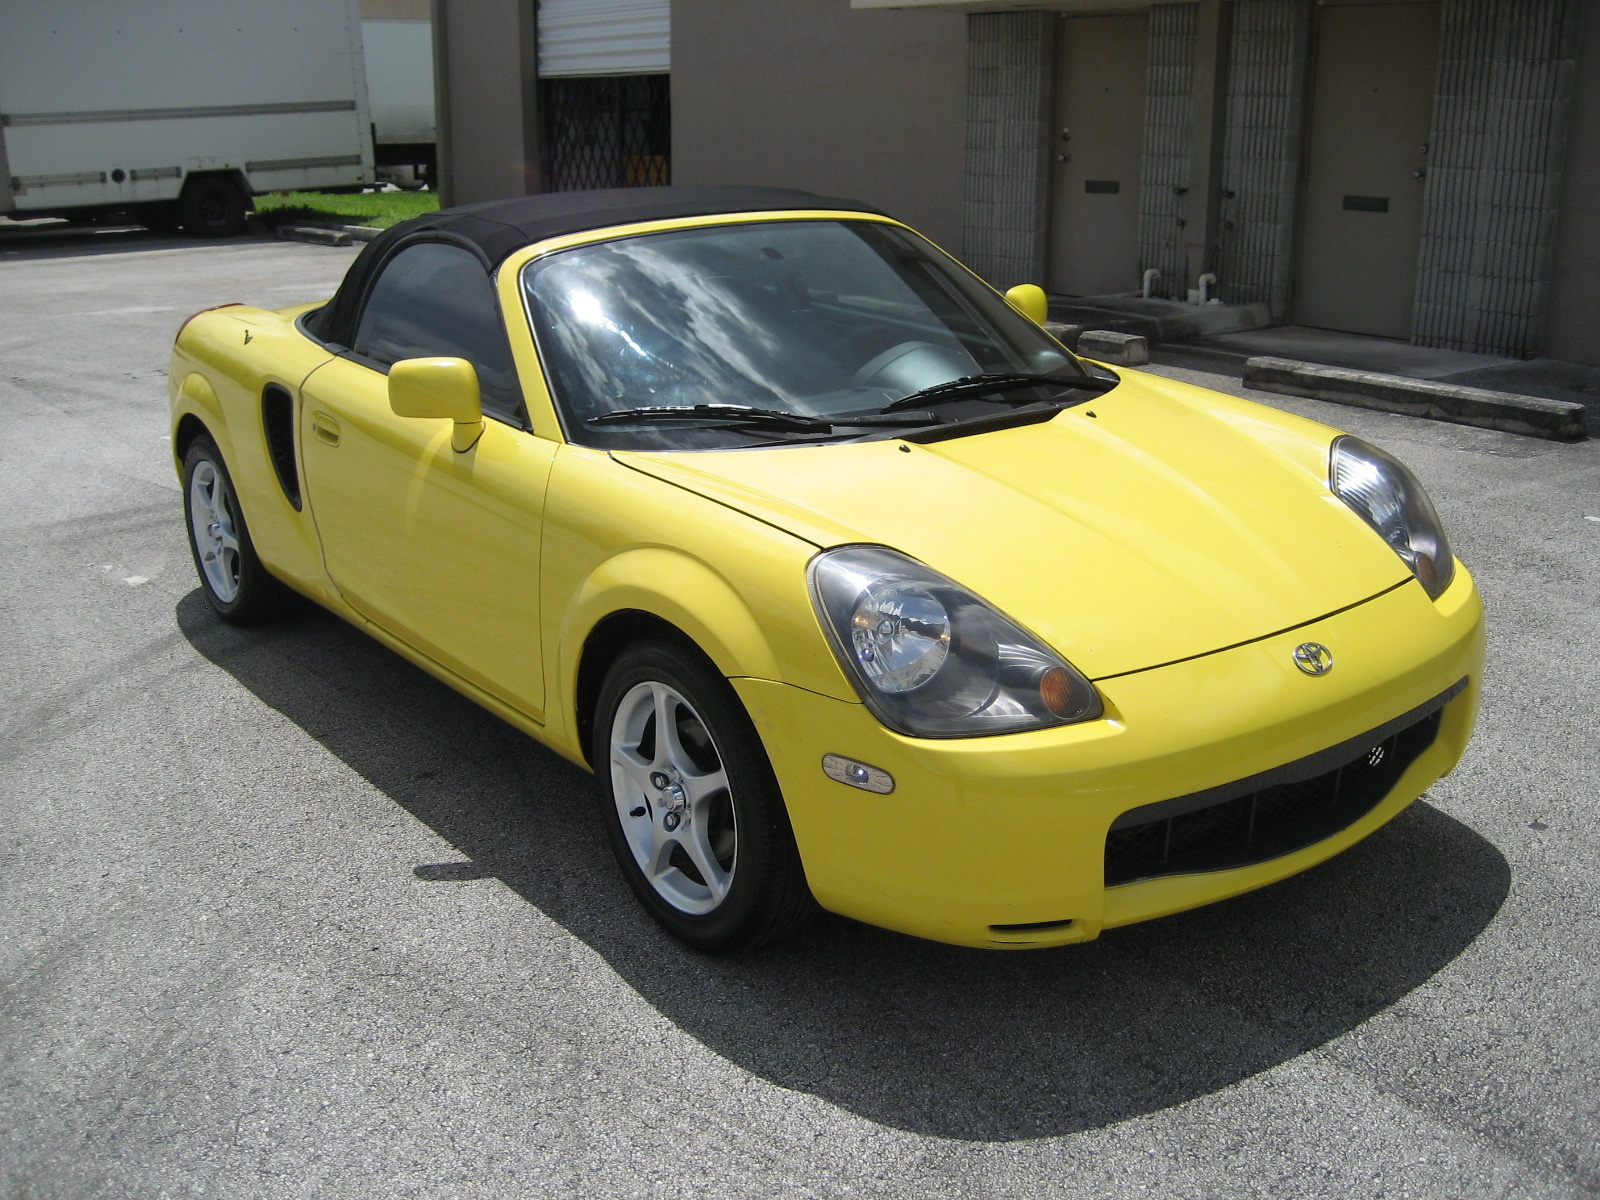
(1002,841)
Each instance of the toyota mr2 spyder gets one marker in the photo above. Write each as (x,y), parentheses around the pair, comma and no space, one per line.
(853,587)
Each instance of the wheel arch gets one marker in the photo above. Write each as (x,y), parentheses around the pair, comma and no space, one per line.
(656,592)
(607,642)
(197,412)
(233,175)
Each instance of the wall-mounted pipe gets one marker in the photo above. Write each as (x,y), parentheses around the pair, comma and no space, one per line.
(1206,283)
(1150,276)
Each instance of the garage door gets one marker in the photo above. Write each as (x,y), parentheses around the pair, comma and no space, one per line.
(604,37)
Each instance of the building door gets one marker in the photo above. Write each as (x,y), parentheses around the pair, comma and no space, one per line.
(1098,147)
(1371,110)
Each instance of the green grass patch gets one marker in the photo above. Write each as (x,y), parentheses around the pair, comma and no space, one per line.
(382,209)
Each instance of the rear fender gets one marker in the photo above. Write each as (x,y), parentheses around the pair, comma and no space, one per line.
(224,362)
(195,400)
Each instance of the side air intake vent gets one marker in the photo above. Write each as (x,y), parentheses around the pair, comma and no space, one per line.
(277,421)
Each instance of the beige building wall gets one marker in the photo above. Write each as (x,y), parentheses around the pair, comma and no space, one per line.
(396,10)
(485,74)
(810,94)
(1573,332)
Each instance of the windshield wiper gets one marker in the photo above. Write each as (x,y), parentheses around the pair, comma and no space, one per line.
(983,385)
(749,414)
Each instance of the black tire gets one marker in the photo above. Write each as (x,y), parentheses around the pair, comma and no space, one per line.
(239,588)
(755,891)
(212,206)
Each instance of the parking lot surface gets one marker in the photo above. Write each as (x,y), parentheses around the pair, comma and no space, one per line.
(281,916)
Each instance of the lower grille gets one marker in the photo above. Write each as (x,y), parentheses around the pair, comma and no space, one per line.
(1276,812)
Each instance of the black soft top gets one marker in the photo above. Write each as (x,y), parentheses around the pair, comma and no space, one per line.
(496,228)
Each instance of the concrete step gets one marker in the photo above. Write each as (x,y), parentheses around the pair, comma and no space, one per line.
(1158,320)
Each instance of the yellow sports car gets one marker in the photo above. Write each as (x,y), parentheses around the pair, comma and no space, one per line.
(850,584)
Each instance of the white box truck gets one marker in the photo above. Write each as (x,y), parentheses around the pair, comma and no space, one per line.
(176,112)
(399,53)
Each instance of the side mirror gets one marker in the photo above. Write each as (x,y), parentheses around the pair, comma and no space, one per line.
(439,388)
(1029,300)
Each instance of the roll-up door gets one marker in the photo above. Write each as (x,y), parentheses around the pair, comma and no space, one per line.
(603,37)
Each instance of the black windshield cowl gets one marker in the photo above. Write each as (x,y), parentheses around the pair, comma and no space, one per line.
(985,385)
(749,414)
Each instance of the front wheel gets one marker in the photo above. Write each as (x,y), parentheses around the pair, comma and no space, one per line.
(691,805)
(236,584)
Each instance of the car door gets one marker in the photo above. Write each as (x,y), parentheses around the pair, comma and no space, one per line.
(437,547)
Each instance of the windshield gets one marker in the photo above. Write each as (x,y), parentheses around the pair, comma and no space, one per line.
(826,319)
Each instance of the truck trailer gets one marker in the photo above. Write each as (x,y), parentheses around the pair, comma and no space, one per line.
(174,113)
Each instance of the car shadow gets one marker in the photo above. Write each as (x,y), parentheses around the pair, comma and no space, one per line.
(926,1038)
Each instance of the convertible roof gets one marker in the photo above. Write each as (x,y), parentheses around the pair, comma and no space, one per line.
(499,227)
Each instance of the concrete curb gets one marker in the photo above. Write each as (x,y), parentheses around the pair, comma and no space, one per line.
(1533,416)
(327,235)
(1105,345)
(1102,345)
(315,234)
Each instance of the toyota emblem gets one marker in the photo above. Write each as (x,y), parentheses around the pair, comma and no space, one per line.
(1313,658)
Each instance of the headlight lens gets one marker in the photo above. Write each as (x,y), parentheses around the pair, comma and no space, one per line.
(931,659)
(1388,497)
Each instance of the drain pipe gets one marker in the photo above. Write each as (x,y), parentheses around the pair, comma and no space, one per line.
(1150,277)
(1206,282)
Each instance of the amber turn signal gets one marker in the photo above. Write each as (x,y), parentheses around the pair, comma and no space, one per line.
(1055,689)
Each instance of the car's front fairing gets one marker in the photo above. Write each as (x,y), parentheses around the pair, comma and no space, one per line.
(1147,527)
(1049,837)
(1172,548)
(1175,547)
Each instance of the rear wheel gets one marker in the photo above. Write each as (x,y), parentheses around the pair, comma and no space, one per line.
(238,587)
(212,206)
(691,804)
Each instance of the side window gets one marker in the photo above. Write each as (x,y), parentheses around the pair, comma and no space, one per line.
(435,300)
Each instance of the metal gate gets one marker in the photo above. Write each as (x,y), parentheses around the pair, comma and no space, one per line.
(605,131)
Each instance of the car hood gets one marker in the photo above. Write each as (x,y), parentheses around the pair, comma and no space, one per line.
(1157,523)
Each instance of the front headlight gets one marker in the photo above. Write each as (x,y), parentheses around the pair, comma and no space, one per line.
(931,659)
(1389,498)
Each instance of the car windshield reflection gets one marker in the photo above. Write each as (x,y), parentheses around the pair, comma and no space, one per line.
(823,319)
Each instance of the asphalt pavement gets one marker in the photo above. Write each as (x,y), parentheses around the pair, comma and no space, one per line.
(280,916)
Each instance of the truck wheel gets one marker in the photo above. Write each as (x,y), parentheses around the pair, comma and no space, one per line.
(212,206)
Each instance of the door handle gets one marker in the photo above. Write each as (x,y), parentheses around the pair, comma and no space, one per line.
(325,427)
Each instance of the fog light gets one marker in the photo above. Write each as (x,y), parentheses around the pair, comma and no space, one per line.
(857,774)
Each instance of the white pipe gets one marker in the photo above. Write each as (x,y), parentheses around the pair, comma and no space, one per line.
(1206,282)
(1150,277)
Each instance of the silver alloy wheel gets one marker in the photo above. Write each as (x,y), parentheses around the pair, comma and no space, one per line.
(673,803)
(216,539)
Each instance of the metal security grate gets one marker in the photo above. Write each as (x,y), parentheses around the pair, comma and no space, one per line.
(606,131)
(1272,814)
